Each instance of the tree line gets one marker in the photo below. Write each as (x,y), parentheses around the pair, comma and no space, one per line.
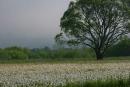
(120,49)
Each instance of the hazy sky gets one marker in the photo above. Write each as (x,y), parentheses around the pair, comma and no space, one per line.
(30,23)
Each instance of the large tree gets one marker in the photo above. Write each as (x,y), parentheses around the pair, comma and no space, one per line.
(94,23)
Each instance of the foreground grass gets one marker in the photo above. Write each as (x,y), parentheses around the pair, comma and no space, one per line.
(98,83)
(65,73)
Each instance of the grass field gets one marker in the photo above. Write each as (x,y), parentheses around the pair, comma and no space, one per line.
(53,73)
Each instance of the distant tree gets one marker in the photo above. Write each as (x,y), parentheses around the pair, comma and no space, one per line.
(13,48)
(94,23)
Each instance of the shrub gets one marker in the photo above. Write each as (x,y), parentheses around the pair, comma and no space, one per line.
(14,54)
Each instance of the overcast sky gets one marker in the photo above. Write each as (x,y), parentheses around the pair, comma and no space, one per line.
(30,23)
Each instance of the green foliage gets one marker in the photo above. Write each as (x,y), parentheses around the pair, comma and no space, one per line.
(33,55)
(95,23)
(120,49)
(4,54)
(24,53)
(65,53)
(15,54)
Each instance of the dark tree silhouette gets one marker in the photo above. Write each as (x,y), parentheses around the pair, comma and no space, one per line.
(94,23)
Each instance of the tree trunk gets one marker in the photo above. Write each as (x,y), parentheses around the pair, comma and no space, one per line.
(99,55)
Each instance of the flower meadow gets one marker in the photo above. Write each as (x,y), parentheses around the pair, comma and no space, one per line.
(34,75)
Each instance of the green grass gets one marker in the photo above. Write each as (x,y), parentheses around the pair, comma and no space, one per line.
(98,83)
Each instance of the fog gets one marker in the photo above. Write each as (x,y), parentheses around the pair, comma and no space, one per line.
(30,23)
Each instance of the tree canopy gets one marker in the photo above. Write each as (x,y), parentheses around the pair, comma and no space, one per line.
(95,23)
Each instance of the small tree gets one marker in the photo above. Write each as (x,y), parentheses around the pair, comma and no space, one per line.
(94,23)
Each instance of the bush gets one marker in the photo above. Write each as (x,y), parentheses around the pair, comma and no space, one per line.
(4,54)
(14,54)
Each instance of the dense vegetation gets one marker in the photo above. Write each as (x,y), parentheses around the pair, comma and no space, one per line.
(120,49)
(24,53)
(99,83)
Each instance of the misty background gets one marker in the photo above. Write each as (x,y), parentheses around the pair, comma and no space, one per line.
(30,23)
